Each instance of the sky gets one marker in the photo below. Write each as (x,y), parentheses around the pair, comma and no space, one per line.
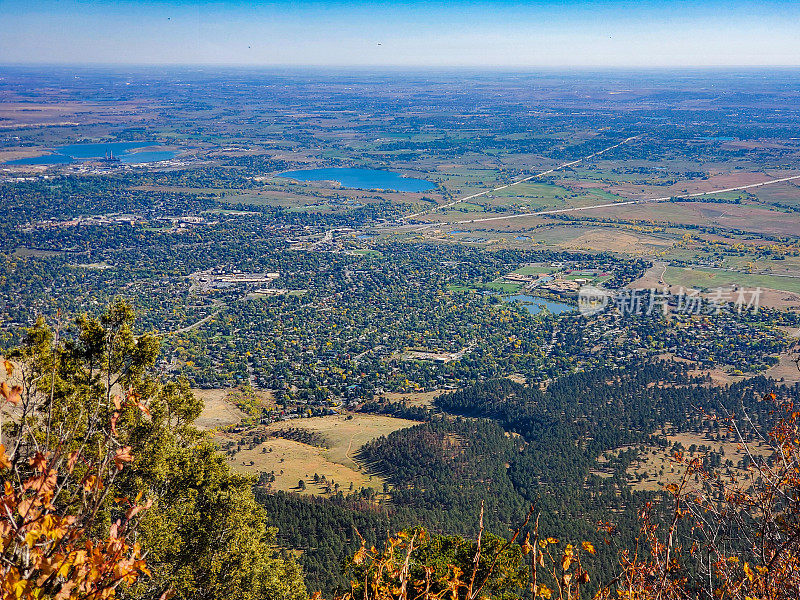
(550,34)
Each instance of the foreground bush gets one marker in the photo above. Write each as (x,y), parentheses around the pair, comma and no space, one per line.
(94,439)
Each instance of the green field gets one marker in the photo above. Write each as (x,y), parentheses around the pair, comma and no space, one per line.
(545,191)
(600,193)
(467,207)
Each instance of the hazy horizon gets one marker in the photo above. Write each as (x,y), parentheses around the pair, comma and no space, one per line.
(478,34)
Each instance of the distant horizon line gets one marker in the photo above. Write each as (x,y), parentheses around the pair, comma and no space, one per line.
(408,67)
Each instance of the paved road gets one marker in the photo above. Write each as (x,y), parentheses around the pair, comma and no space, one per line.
(508,185)
(607,205)
(196,324)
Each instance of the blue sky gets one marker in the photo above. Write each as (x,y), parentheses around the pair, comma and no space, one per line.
(507,34)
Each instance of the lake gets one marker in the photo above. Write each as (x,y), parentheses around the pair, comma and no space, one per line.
(47,159)
(535,304)
(362,179)
(76,152)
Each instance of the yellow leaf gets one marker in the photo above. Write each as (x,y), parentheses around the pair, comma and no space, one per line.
(31,537)
(588,547)
(526,547)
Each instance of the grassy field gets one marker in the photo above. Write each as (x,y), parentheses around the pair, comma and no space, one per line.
(217,411)
(535,196)
(710,278)
(534,270)
(657,467)
(504,287)
(603,194)
(789,266)
(786,370)
(292,461)
(606,240)
(466,207)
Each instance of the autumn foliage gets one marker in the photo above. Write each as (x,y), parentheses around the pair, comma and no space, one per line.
(732,534)
(76,416)
(729,535)
(56,538)
(103,470)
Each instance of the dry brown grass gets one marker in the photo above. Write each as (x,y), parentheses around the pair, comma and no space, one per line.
(608,240)
(413,398)
(654,278)
(661,469)
(292,461)
(217,410)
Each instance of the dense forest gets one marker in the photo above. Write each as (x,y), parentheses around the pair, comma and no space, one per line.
(507,446)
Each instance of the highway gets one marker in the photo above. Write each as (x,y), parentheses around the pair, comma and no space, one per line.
(606,205)
(508,185)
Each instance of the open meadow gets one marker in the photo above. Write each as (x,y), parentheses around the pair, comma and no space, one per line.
(337,438)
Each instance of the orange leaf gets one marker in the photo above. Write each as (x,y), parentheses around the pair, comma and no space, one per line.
(134,510)
(11,394)
(38,462)
(122,456)
(73,458)
(92,482)
(4,462)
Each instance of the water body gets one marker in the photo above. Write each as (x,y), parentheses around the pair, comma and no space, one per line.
(535,304)
(81,151)
(78,152)
(362,179)
(135,158)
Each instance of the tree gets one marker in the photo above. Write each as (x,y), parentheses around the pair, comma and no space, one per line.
(62,534)
(732,535)
(204,536)
(416,564)
(736,535)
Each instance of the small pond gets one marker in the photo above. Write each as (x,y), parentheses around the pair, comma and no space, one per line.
(535,304)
